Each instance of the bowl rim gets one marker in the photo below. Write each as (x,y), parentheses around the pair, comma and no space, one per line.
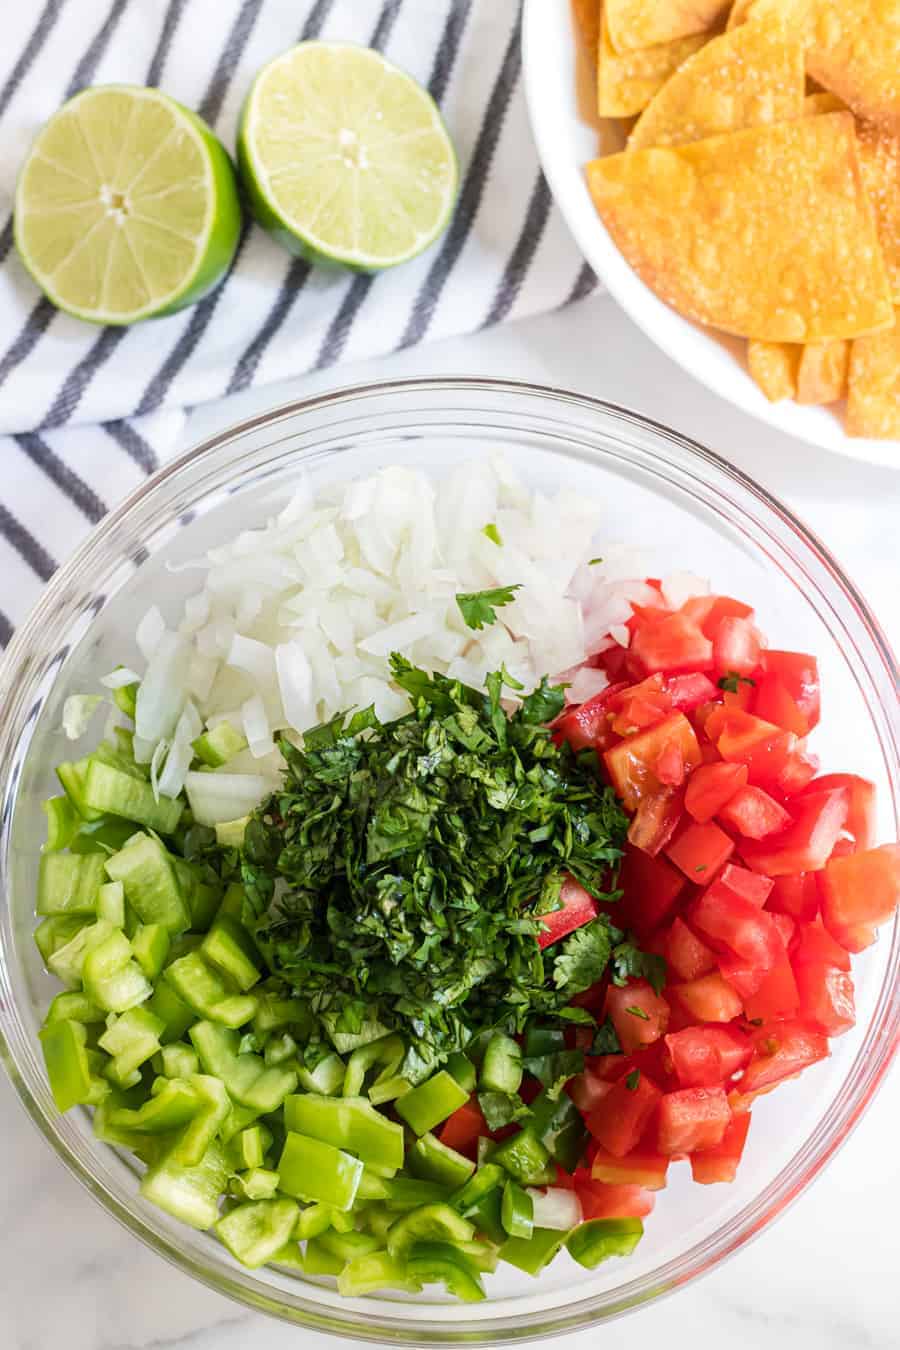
(759,1212)
(639,302)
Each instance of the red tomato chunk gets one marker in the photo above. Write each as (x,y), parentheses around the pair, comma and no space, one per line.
(705,1056)
(692,1119)
(639,1015)
(711,787)
(624,1113)
(687,956)
(720,1163)
(709,999)
(725,920)
(632,763)
(859,893)
(643,1166)
(700,850)
(671,643)
(754,814)
(577,907)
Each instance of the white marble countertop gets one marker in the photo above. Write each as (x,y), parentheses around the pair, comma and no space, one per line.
(826,1276)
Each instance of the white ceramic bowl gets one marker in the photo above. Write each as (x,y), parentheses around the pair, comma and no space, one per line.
(566,131)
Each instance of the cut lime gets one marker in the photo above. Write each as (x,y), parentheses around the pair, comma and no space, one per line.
(126,207)
(346,158)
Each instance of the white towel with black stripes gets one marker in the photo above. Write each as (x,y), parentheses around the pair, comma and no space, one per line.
(85,413)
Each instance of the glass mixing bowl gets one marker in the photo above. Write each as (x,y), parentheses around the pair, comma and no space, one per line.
(686,507)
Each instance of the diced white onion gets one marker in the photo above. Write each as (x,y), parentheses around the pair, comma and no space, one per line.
(149,632)
(555,1207)
(257,729)
(295,684)
(119,679)
(586,684)
(161,693)
(78,710)
(253,658)
(217,797)
(679,587)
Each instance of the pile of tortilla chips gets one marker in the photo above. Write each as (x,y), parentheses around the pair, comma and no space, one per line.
(759,192)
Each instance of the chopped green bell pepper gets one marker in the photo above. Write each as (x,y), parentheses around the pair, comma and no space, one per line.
(501,1068)
(432,1102)
(114,791)
(599,1239)
(313,1170)
(440,1263)
(200,1131)
(173,1107)
(151,944)
(205,990)
(387,1051)
(560,1128)
(317,1260)
(257,1183)
(313,1221)
(63,823)
(230,948)
(66,962)
(171,1010)
(131,1040)
(348,1246)
(68,883)
(147,872)
(176,1060)
(438,1222)
(460,1067)
(218,746)
(434,1161)
(73,1006)
(111,902)
(68,1068)
(534,1253)
(377,1270)
(406,1193)
(350,1123)
(190,1194)
(112,977)
(517,1211)
(525,1158)
(248,1148)
(245,1077)
(56,932)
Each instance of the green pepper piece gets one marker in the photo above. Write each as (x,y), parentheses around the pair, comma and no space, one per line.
(407,1193)
(169,1109)
(103,835)
(350,1123)
(249,1147)
(253,1233)
(440,1263)
(245,1076)
(63,823)
(376,1270)
(599,1239)
(73,1006)
(525,1158)
(131,1040)
(177,1061)
(432,1102)
(56,932)
(372,1187)
(487,1218)
(488,1178)
(280,1049)
(257,1183)
(484,1256)
(190,1194)
(151,944)
(310,1169)
(218,746)
(203,1127)
(313,1221)
(501,1068)
(348,1246)
(463,1070)
(377,1219)
(112,978)
(171,1010)
(114,790)
(68,1069)
(290,1256)
(543,1041)
(68,884)
(434,1161)
(534,1253)
(326,1078)
(67,961)
(230,947)
(317,1260)
(560,1128)
(439,1222)
(517,1211)
(388,1089)
(273,1012)
(111,902)
(387,1051)
(147,871)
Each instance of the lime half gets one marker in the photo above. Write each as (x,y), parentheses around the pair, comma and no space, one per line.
(126,207)
(346,158)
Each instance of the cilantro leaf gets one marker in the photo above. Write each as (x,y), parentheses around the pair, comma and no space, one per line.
(629,962)
(501,1108)
(733,680)
(606,1041)
(544,703)
(478,608)
(583,957)
(593,562)
(491,532)
(638,1012)
(580,1016)
(632,1080)
(555,1069)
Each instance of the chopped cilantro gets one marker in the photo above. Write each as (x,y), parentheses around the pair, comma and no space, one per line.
(701,868)
(554,1070)
(501,1108)
(638,1012)
(732,680)
(594,562)
(606,1041)
(478,607)
(491,532)
(398,874)
(629,962)
(632,1080)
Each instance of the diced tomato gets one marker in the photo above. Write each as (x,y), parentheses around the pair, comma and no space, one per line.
(638,1014)
(798,772)
(587,1090)
(800,675)
(671,643)
(786,927)
(859,893)
(651,887)
(797,895)
(700,850)
(687,957)
(744,977)
(736,646)
(814,946)
(578,907)
(709,610)
(861,814)
(710,787)
(652,1059)
(826,997)
(746,739)
(669,765)
(754,814)
(748,885)
(720,1163)
(623,1115)
(639,706)
(580,726)
(692,1119)
(688,691)
(656,819)
(463,1129)
(599,1201)
(709,999)
(807,845)
(775,703)
(728,921)
(642,614)
(781,1051)
(777,995)
(631,763)
(643,1166)
(706,1055)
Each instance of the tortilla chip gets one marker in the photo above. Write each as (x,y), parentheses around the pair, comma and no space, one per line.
(879,157)
(855,53)
(626,84)
(766,11)
(873,402)
(634,24)
(822,373)
(750,76)
(773,366)
(766,233)
(822,102)
(587,16)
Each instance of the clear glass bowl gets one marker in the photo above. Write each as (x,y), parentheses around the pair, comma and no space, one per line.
(691,510)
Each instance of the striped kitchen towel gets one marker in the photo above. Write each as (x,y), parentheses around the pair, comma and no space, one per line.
(86,412)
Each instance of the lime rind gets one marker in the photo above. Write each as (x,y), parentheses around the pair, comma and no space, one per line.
(69,227)
(347,115)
